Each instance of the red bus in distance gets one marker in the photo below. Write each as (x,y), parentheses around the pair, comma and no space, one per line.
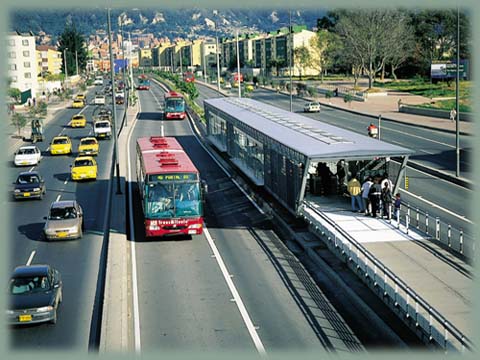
(171,192)
(174,106)
(188,77)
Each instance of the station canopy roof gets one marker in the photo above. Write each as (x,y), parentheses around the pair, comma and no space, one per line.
(313,138)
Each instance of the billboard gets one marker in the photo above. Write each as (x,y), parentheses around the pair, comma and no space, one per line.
(120,64)
(448,70)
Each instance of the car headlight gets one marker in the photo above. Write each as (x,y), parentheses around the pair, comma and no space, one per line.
(10,312)
(16,190)
(72,229)
(36,189)
(45,309)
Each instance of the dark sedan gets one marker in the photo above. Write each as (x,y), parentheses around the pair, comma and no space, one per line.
(29,184)
(35,293)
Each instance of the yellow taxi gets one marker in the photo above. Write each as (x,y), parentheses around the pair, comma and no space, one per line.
(80,97)
(249,87)
(88,146)
(78,120)
(61,145)
(78,104)
(83,168)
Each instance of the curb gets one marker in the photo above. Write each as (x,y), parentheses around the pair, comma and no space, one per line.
(463,182)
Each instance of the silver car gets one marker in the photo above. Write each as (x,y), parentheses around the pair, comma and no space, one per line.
(65,221)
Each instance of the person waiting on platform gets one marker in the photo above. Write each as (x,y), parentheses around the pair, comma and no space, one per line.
(374,196)
(354,189)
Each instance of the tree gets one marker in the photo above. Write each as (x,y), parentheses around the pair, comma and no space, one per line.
(301,57)
(74,45)
(435,33)
(15,94)
(368,34)
(324,46)
(402,47)
(19,121)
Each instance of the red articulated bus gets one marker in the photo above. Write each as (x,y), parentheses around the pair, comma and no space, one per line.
(188,77)
(174,106)
(171,192)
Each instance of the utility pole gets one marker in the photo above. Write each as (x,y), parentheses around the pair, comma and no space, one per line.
(114,112)
(457,85)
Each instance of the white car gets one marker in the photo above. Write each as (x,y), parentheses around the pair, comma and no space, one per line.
(102,129)
(98,81)
(312,107)
(27,155)
(228,85)
(99,100)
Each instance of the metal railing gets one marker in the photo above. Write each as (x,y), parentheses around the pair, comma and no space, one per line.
(432,227)
(414,309)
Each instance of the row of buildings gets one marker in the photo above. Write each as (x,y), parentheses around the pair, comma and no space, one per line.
(259,54)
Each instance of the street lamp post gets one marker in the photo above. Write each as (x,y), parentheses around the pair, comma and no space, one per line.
(217,51)
(290,40)
(76,60)
(114,111)
(65,61)
(457,83)
(238,70)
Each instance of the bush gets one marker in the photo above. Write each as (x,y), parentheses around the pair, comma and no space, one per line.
(347,98)
(329,94)
(312,91)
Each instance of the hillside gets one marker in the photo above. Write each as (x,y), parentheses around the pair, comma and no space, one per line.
(169,23)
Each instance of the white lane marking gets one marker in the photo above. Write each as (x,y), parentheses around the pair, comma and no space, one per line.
(66,181)
(463,218)
(31,169)
(236,296)
(29,261)
(136,312)
(241,307)
(58,197)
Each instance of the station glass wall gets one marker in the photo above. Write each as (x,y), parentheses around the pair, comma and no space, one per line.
(217,130)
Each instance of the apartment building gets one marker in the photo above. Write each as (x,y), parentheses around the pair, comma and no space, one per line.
(22,62)
(49,60)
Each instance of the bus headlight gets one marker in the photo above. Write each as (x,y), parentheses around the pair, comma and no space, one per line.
(195,226)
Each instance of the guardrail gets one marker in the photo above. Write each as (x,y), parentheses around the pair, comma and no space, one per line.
(435,229)
(409,306)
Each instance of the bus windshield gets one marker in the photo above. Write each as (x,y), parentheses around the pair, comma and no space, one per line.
(177,104)
(173,199)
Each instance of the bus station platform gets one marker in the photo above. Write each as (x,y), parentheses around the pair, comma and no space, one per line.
(442,280)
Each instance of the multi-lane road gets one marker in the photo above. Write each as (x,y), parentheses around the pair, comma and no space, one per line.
(236,287)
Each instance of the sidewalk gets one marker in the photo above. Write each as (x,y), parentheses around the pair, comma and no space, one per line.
(13,140)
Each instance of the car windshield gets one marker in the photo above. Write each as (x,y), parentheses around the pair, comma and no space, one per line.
(60,141)
(174,105)
(28,285)
(79,117)
(88,142)
(165,200)
(26,151)
(83,162)
(102,125)
(28,179)
(63,213)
